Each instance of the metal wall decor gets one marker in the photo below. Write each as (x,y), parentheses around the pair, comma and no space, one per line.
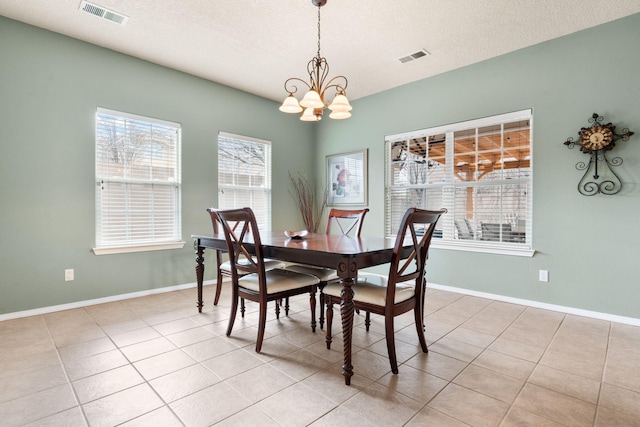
(596,140)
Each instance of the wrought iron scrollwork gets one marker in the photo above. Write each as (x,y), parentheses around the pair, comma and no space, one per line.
(596,140)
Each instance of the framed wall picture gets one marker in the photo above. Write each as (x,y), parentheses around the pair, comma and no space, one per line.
(347,178)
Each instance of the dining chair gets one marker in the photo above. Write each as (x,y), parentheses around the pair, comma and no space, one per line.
(224,268)
(250,280)
(339,221)
(402,290)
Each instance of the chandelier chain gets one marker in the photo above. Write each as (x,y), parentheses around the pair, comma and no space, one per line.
(318,31)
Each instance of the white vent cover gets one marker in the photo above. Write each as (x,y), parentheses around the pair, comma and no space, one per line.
(103,13)
(416,55)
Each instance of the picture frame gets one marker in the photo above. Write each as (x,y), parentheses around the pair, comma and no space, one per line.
(347,177)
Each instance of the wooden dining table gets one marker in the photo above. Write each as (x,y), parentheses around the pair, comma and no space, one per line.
(347,255)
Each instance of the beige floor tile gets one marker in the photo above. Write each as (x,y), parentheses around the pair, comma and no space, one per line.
(191,336)
(383,406)
(332,355)
(418,385)
(38,405)
(620,399)
(625,332)
(342,417)
(87,348)
(161,417)
(128,325)
(106,383)
(162,364)
(585,325)
(556,406)
(505,364)
(469,336)
(609,418)
(437,364)
(122,406)
(15,364)
(260,382)
(430,417)
(71,417)
(456,349)
(22,325)
(92,365)
(623,372)
(370,364)
(81,335)
(535,337)
(135,336)
(585,364)
(295,406)
(491,383)
(210,348)
(563,382)
(404,351)
(209,406)
(330,384)
(300,364)
(31,382)
(184,382)
(251,416)
(147,349)
(517,417)
(517,349)
(469,406)
(233,363)
(175,326)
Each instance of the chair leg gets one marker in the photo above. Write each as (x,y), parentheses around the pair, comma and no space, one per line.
(262,322)
(321,299)
(286,306)
(278,303)
(391,345)
(234,308)
(312,302)
(242,309)
(367,320)
(420,327)
(218,288)
(329,321)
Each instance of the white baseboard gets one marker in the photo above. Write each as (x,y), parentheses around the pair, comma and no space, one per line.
(80,304)
(562,309)
(529,303)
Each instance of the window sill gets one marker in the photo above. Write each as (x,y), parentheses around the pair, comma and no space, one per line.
(484,248)
(138,248)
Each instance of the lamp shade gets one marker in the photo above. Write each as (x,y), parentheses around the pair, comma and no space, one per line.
(340,103)
(290,105)
(312,100)
(310,116)
(340,115)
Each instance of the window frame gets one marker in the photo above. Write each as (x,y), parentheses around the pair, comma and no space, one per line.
(449,184)
(267,188)
(139,245)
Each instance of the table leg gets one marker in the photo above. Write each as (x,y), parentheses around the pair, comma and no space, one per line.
(199,273)
(346,312)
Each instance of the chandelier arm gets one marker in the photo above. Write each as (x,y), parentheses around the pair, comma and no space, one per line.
(292,88)
(339,87)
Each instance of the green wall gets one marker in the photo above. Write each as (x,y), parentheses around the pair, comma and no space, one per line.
(590,245)
(50,87)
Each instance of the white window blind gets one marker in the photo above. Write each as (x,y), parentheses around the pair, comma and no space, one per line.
(244,176)
(479,170)
(138,180)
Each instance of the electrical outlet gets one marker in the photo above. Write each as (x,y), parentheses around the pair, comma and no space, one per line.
(68,275)
(543,275)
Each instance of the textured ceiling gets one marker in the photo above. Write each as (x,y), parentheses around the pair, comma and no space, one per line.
(255,45)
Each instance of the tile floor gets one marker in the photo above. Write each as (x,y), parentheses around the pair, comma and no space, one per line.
(155,361)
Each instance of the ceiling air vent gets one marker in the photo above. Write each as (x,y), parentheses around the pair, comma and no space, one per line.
(103,13)
(415,55)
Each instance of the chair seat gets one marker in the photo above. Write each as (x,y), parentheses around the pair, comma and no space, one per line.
(372,289)
(278,280)
(323,274)
(269,264)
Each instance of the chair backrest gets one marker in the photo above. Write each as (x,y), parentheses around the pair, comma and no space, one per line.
(411,267)
(463,230)
(349,222)
(240,228)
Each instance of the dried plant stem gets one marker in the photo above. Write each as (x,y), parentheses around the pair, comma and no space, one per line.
(306,197)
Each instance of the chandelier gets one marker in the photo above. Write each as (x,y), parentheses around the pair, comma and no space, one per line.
(313,103)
